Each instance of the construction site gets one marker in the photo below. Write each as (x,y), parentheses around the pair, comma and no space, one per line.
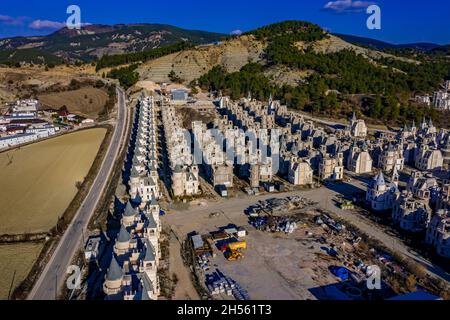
(282,248)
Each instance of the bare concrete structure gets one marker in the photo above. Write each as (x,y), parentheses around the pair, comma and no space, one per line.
(409,213)
(438,233)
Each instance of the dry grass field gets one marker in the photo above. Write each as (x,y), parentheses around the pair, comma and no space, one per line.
(38,181)
(19,258)
(18,82)
(88,102)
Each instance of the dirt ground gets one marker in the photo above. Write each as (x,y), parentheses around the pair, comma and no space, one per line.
(88,102)
(18,82)
(17,258)
(184,289)
(153,86)
(278,266)
(275,266)
(38,181)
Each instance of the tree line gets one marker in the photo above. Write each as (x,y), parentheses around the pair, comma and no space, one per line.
(146,55)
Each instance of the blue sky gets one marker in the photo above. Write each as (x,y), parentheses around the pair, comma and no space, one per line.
(402,21)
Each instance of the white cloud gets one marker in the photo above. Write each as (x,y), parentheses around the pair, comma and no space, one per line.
(236,32)
(12,21)
(46,24)
(344,6)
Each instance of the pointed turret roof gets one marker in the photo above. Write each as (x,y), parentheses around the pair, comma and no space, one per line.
(149,251)
(129,210)
(151,223)
(146,285)
(135,161)
(115,272)
(153,201)
(124,235)
(134,173)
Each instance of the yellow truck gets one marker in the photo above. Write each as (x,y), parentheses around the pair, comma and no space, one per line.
(232,250)
(233,255)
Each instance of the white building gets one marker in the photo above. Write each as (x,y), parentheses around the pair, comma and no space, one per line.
(438,233)
(428,158)
(380,194)
(300,172)
(359,160)
(358,128)
(410,214)
(26,105)
(391,157)
(11,141)
(441,100)
(422,185)
(331,167)
(133,271)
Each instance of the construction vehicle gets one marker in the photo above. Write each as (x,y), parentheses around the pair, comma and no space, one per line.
(233,250)
(233,255)
(233,246)
(346,205)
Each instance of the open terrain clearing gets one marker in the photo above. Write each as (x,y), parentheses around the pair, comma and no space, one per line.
(38,181)
(17,258)
(88,102)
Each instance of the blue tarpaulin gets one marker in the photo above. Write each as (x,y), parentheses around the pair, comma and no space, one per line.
(341,272)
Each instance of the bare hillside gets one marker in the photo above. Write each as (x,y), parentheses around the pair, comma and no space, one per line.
(235,53)
(191,64)
(335,44)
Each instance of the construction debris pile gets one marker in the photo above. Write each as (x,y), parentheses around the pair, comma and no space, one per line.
(274,224)
(262,215)
(203,261)
(328,223)
(218,283)
(277,205)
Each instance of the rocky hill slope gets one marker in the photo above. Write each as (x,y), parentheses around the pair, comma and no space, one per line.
(236,52)
(94,41)
(232,54)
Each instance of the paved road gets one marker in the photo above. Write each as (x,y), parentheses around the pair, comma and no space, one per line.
(234,208)
(338,124)
(53,276)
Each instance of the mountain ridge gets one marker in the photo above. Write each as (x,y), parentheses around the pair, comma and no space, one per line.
(96,40)
(379,44)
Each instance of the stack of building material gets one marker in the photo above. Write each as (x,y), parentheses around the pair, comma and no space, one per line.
(203,261)
(218,283)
